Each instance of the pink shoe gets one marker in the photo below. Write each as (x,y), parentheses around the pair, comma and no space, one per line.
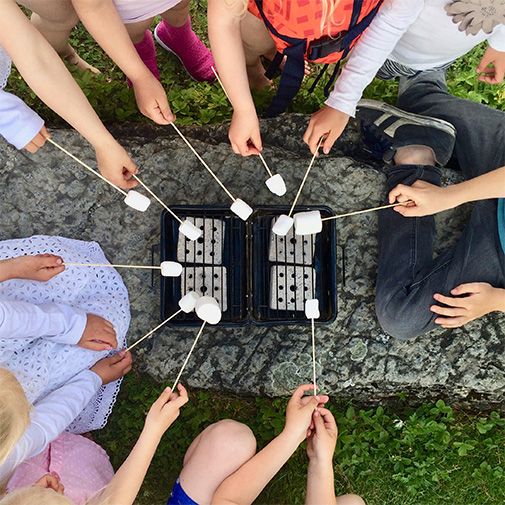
(147,53)
(191,51)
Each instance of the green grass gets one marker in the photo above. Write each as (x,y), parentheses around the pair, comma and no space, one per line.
(438,456)
(432,455)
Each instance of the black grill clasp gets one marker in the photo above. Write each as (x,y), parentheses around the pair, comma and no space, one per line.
(325,46)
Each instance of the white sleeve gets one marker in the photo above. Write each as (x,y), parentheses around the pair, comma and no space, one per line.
(55,321)
(50,417)
(371,51)
(497,38)
(18,123)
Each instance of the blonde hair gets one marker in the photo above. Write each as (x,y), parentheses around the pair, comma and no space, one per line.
(14,412)
(35,495)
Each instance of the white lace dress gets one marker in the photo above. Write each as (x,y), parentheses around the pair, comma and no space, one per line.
(41,365)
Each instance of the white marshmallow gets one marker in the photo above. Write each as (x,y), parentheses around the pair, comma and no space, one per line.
(171,269)
(188,229)
(312,309)
(283,225)
(137,201)
(188,302)
(241,209)
(208,310)
(276,185)
(308,223)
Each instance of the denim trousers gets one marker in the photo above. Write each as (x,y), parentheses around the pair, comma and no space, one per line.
(408,274)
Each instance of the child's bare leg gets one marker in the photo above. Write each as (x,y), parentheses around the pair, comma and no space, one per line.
(216,453)
(415,155)
(55,19)
(350,499)
(136,31)
(257,42)
(177,15)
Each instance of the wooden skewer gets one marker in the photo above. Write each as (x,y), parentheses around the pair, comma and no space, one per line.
(228,96)
(108,265)
(188,356)
(314,355)
(87,167)
(367,210)
(305,177)
(202,161)
(153,330)
(157,199)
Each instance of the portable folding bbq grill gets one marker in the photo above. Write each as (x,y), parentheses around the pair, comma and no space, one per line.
(256,276)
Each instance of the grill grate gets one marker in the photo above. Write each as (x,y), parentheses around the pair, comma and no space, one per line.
(214,265)
(255,275)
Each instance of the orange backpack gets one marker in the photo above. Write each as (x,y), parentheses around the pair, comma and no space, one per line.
(295,26)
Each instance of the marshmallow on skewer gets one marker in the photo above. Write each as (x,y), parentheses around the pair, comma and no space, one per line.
(241,209)
(308,223)
(208,310)
(137,201)
(283,225)
(312,309)
(189,230)
(188,302)
(171,269)
(276,185)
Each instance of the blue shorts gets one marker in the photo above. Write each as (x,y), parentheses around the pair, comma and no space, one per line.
(179,497)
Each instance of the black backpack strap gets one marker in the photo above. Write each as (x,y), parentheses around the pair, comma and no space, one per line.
(294,69)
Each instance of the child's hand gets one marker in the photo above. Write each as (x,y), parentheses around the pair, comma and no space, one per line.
(327,122)
(41,267)
(115,165)
(114,367)
(51,481)
(299,412)
(428,199)
(473,301)
(98,335)
(491,68)
(165,410)
(245,134)
(38,141)
(152,100)
(323,438)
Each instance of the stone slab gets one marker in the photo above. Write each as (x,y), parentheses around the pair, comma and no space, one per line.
(49,194)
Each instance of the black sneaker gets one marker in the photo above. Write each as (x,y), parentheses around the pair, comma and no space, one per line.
(386,128)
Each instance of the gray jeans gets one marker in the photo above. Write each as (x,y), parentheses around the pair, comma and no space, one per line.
(408,275)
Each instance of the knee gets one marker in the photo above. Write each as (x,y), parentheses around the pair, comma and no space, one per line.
(403,321)
(59,19)
(232,439)
(350,499)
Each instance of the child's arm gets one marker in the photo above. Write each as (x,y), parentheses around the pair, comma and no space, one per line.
(53,414)
(244,486)
(125,485)
(103,22)
(320,448)
(366,58)
(429,199)
(46,74)
(226,44)
(19,124)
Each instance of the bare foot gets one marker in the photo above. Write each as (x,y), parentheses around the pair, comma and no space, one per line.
(256,75)
(72,58)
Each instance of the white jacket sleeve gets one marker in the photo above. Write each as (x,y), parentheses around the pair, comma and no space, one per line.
(18,123)
(50,417)
(55,321)
(371,51)
(497,38)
